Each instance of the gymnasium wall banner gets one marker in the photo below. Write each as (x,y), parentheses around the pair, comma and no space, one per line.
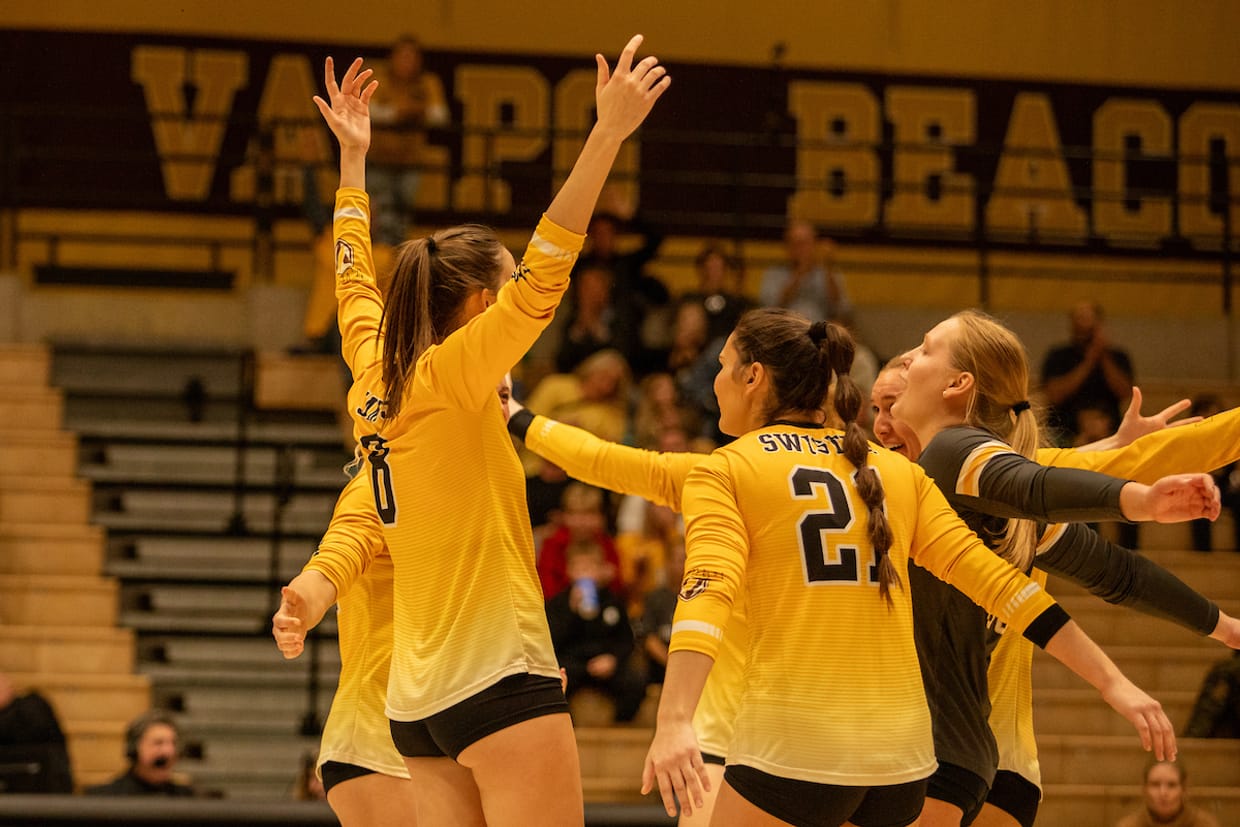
(144,121)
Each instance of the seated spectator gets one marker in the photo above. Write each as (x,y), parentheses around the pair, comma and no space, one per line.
(690,335)
(718,291)
(808,281)
(595,397)
(1216,714)
(33,757)
(659,409)
(152,746)
(591,633)
(581,518)
(1166,801)
(543,493)
(590,318)
(655,629)
(643,554)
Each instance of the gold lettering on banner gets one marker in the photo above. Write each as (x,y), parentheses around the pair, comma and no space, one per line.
(927,123)
(838,173)
(1114,219)
(1033,191)
(574,115)
(486,91)
(1200,125)
(188,143)
(294,128)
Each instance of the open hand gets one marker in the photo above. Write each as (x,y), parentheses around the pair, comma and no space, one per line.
(624,97)
(1147,715)
(675,762)
(348,114)
(289,623)
(1134,425)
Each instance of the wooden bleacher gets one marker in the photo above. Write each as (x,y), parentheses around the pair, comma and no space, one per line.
(58,615)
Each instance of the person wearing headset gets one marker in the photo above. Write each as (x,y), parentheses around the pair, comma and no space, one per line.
(152,747)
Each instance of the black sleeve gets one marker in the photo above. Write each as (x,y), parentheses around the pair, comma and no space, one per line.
(1045,625)
(1125,578)
(1012,486)
(519,423)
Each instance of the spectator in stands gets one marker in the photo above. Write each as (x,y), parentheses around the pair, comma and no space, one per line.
(152,747)
(581,518)
(595,396)
(1166,802)
(407,102)
(1226,478)
(1086,372)
(591,317)
(33,757)
(809,281)
(690,336)
(643,553)
(1216,714)
(659,408)
(719,291)
(636,292)
(591,632)
(655,630)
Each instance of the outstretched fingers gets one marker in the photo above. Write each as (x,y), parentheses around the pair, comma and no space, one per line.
(625,63)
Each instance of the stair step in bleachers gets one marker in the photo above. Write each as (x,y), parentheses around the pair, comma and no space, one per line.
(301,382)
(1119,759)
(1083,712)
(206,466)
(37,452)
(24,365)
(96,750)
(44,499)
(1104,805)
(66,649)
(246,652)
(86,697)
(87,370)
(303,525)
(207,558)
(50,548)
(23,406)
(57,600)
(1153,668)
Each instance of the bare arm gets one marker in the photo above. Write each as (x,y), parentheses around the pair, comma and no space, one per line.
(623,98)
(1072,647)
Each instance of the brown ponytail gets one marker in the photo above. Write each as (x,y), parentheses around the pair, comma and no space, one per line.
(431,280)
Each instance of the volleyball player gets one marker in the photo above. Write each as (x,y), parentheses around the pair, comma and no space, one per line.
(833,724)
(474,693)
(970,371)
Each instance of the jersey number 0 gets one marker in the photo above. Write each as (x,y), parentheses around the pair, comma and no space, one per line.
(815,529)
(381,477)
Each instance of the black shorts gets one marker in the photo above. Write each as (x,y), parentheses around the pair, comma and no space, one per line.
(807,804)
(1015,795)
(512,700)
(958,786)
(338,772)
(709,758)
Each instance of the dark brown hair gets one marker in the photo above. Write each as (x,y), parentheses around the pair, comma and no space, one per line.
(431,280)
(802,359)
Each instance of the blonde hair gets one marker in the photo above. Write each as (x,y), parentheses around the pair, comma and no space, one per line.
(996,358)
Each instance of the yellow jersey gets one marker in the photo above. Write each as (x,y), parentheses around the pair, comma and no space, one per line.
(449,491)
(352,556)
(832,688)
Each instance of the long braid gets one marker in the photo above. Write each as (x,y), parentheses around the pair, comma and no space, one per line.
(839,351)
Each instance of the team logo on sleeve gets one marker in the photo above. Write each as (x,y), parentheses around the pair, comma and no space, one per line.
(521,272)
(344,257)
(695,583)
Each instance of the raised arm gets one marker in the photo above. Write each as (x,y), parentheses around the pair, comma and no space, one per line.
(623,99)
(347,112)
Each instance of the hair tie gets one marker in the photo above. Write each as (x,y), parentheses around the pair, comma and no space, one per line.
(1021,406)
(817,332)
